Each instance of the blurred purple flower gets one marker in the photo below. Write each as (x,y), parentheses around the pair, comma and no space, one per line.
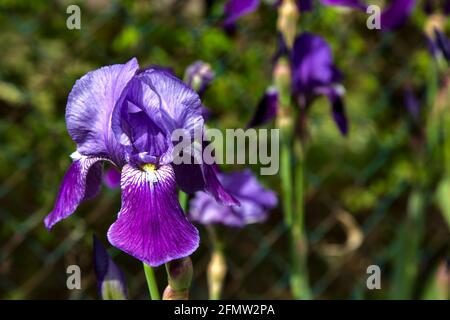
(111,178)
(396,13)
(255,200)
(313,74)
(354,4)
(234,9)
(125,116)
(111,282)
(198,76)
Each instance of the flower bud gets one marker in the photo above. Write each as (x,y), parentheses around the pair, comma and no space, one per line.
(199,75)
(110,279)
(179,274)
(217,270)
(287,21)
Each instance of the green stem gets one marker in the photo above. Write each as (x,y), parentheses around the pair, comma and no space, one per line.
(151,282)
(299,247)
(286,183)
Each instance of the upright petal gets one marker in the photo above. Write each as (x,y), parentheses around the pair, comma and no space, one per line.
(312,64)
(234,9)
(89,108)
(396,13)
(180,106)
(82,181)
(151,225)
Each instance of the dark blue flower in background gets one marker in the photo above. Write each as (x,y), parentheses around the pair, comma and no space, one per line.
(255,202)
(111,282)
(313,74)
(123,115)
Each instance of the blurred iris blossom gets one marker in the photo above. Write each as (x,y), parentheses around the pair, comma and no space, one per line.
(125,115)
(255,202)
(313,74)
(110,279)
(234,9)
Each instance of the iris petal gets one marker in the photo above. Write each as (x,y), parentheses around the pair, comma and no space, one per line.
(82,181)
(151,225)
(89,108)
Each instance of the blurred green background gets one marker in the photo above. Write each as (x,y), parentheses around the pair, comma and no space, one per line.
(372,196)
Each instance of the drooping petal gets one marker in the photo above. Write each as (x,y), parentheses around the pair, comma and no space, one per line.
(151,225)
(267,108)
(312,64)
(354,4)
(338,110)
(111,178)
(111,283)
(255,201)
(234,9)
(89,108)
(202,177)
(396,14)
(82,181)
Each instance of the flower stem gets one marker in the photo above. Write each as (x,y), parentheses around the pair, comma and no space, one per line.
(299,246)
(151,282)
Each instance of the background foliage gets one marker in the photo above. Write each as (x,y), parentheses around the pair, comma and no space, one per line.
(359,208)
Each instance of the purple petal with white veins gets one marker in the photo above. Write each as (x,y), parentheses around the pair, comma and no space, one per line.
(396,14)
(151,225)
(82,181)
(89,108)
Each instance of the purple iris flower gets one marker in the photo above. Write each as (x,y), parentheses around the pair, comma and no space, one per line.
(313,74)
(255,200)
(125,116)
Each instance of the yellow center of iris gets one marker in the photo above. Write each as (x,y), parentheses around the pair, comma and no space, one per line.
(149,167)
